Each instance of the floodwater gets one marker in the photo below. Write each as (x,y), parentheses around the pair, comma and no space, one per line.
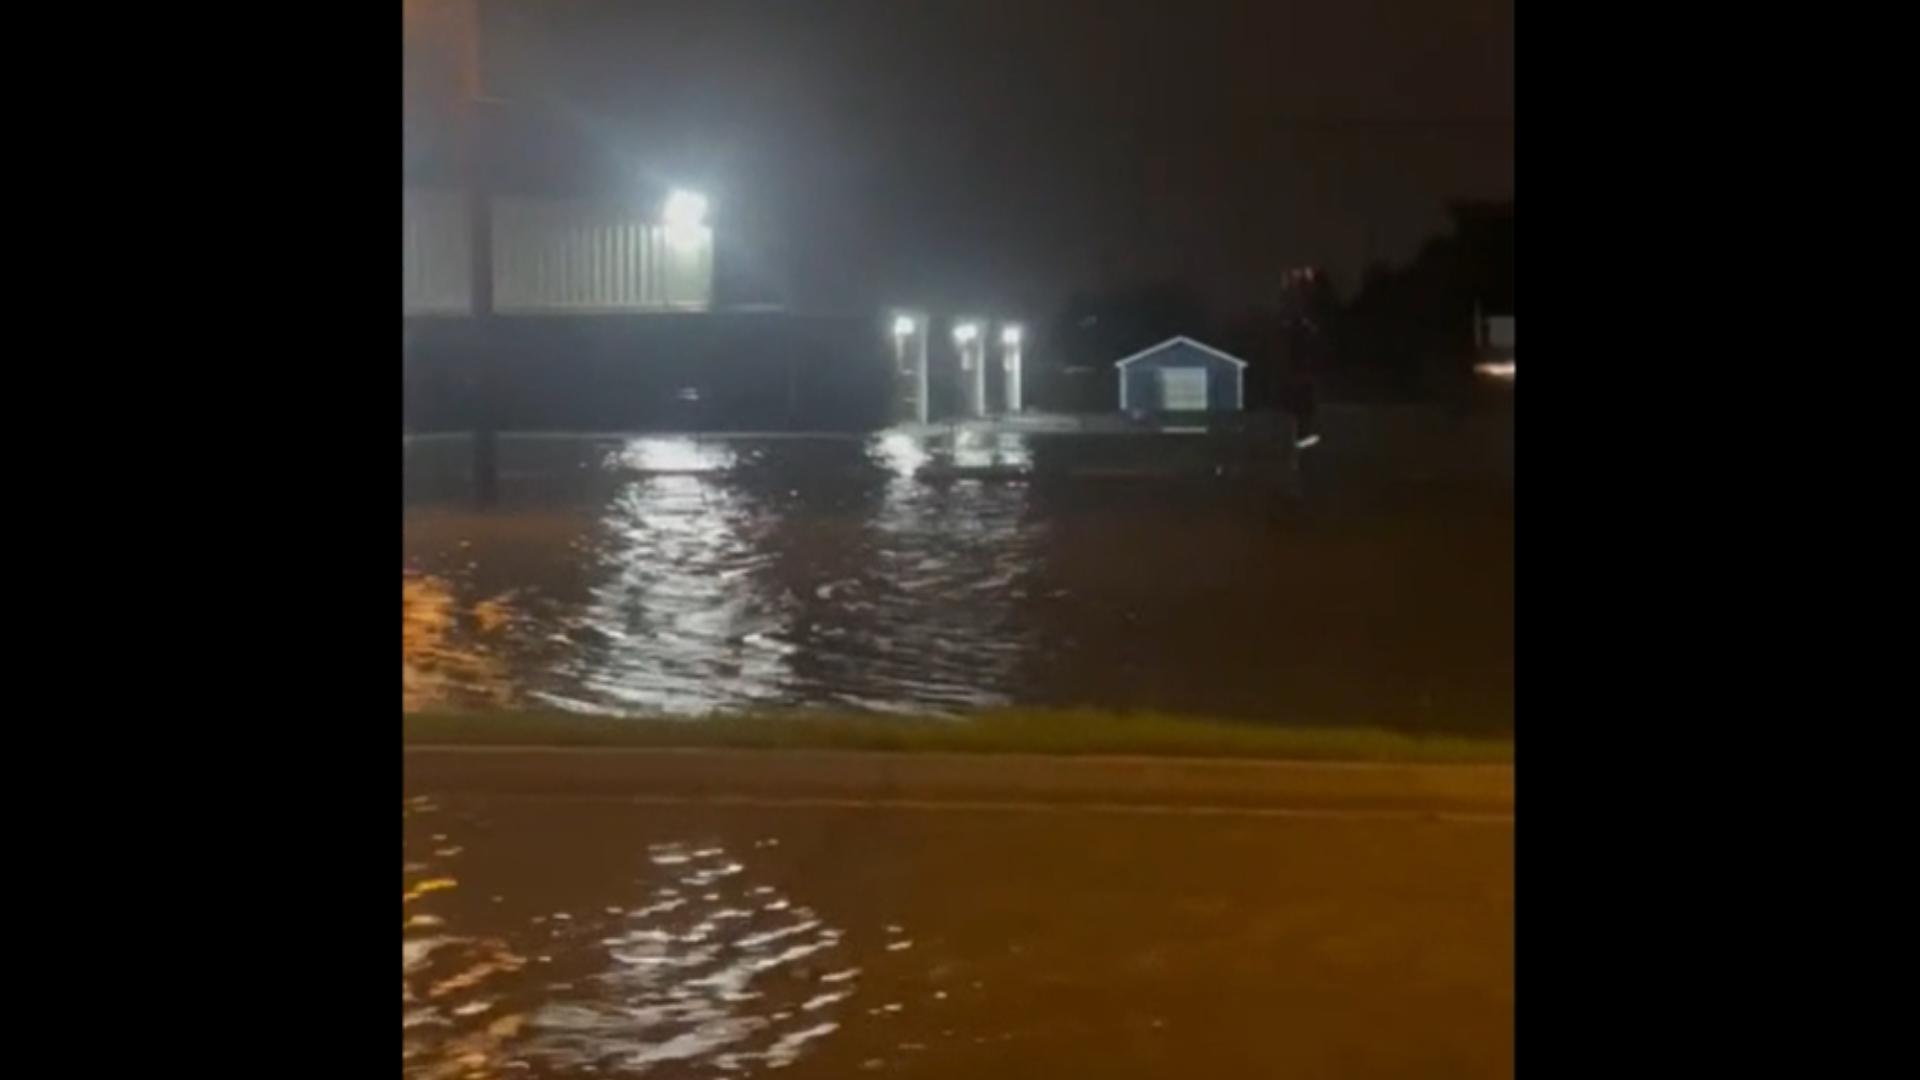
(575,937)
(1191,574)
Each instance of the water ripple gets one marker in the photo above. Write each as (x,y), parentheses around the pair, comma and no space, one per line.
(721,982)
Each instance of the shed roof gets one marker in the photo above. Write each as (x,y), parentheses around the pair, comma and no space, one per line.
(1178,340)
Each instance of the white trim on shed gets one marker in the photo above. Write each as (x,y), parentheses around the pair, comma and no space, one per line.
(1177,340)
(1239,370)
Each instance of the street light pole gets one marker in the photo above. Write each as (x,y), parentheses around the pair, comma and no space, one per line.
(1010,363)
(904,327)
(980,376)
(973,357)
(926,331)
(475,164)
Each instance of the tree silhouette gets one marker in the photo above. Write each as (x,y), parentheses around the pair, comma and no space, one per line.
(1413,327)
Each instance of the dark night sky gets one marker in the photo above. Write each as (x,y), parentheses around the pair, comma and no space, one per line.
(990,155)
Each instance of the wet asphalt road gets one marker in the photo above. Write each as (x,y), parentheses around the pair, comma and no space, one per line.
(726,915)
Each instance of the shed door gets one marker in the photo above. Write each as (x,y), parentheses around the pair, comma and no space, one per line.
(1183,389)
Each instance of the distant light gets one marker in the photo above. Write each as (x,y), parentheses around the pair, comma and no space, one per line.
(1495,369)
(685,210)
(966,332)
(1311,440)
(1010,336)
(903,326)
(685,217)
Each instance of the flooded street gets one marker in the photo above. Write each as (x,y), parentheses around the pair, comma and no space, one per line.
(560,934)
(675,575)
(693,914)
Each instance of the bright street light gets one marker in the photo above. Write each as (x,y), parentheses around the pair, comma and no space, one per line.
(1010,335)
(903,326)
(965,332)
(685,216)
(685,210)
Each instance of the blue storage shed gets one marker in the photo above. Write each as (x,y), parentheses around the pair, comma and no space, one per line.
(1181,375)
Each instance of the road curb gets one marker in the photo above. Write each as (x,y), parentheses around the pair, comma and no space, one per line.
(859,777)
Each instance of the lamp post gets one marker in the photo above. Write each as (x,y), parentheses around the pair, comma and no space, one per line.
(926,331)
(455,28)
(1010,364)
(966,336)
(902,330)
(904,327)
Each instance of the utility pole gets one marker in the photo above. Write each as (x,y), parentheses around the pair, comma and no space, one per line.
(920,372)
(461,25)
(476,161)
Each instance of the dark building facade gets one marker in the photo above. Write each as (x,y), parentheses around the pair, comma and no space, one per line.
(712,371)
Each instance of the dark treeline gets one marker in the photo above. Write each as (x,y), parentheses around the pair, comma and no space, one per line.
(1406,332)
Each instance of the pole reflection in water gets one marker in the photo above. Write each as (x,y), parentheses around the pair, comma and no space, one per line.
(935,541)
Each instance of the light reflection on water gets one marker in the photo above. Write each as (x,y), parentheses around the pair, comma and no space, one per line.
(915,573)
(1006,450)
(940,588)
(701,967)
(680,618)
(443,653)
(653,454)
(706,593)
